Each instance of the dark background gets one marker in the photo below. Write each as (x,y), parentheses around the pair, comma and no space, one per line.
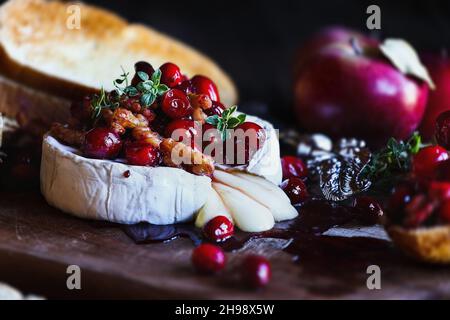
(255,40)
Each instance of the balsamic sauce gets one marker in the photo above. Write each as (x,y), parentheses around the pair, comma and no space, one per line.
(315,218)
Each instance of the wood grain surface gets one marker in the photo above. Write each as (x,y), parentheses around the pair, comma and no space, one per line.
(37,243)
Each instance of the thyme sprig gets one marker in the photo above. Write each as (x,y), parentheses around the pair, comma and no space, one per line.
(393,159)
(226,121)
(102,101)
(148,88)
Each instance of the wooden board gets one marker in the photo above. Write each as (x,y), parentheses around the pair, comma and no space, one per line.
(37,243)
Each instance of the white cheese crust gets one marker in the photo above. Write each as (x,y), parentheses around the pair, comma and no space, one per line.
(98,189)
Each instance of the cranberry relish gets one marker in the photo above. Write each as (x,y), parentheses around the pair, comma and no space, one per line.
(159,112)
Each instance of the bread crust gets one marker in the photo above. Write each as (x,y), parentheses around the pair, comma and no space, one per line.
(39,51)
(431,245)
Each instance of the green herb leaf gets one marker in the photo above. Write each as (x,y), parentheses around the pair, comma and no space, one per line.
(213,120)
(143,76)
(242,117)
(226,121)
(148,99)
(395,158)
(162,88)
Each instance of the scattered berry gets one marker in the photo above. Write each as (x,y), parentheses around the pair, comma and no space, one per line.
(293,167)
(256,271)
(369,209)
(426,161)
(208,258)
(219,229)
(295,189)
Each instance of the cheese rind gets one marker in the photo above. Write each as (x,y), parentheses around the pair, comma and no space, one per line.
(98,189)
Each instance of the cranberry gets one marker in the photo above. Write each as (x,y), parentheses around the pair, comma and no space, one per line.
(219,229)
(216,109)
(439,191)
(186,87)
(170,74)
(442,132)
(208,258)
(246,135)
(102,143)
(175,104)
(443,171)
(369,210)
(295,189)
(143,67)
(417,211)
(293,167)
(204,85)
(426,161)
(400,197)
(444,212)
(256,271)
(184,130)
(141,154)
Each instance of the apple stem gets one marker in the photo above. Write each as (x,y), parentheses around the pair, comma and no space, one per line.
(356,46)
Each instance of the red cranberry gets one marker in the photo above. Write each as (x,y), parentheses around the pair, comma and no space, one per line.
(295,189)
(443,171)
(444,212)
(202,84)
(175,104)
(140,154)
(216,109)
(442,132)
(246,135)
(171,74)
(219,229)
(369,210)
(293,167)
(439,191)
(417,211)
(143,67)
(426,161)
(101,143)
(186,87)
(208,258)
(186,131)
(212,138)
(400,197)
(256,271)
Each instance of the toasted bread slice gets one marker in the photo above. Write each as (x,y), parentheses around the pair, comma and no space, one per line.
(431,245)
(42,50)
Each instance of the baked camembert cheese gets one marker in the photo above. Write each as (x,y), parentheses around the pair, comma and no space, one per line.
(163,149)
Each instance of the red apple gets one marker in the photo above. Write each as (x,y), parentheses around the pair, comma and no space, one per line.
(439,99)
(347,88)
